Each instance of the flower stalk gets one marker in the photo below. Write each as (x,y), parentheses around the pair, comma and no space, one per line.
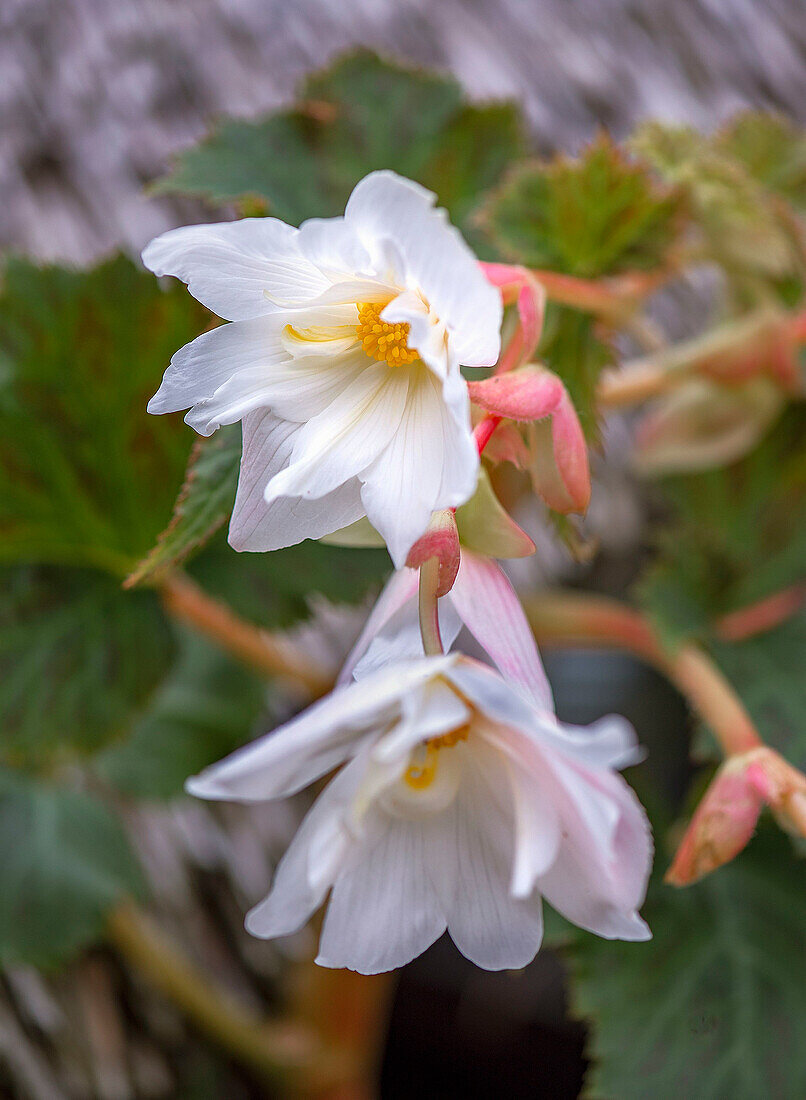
(429,608)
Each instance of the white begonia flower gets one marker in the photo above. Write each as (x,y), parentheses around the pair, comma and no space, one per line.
(342,359)
(461,801)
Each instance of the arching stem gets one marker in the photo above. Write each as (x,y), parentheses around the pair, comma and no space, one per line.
(429,608)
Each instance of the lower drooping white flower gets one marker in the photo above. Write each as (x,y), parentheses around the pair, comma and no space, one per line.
(460,803)
(342,360)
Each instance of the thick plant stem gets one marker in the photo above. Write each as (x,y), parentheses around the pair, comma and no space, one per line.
(571,619)
(291,1056)
(429,607)
(271,656)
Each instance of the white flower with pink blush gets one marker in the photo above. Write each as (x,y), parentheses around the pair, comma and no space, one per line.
(342,359)
(460,802)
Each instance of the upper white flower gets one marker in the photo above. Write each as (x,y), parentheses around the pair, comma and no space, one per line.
(460,802)
(343,361)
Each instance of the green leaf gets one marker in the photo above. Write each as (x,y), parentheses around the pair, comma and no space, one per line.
(78,659)
(66,862)
(735,535)
(207,706)
(574,349)
(767,674)
(773,151)
(745,229)
(599,214)
(275,589)
(203,505)
(86,477)
(712,1006)
(361,114)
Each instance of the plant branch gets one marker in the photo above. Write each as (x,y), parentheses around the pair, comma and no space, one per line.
(263,651)
(288,1055)
(572,619)
(429,607)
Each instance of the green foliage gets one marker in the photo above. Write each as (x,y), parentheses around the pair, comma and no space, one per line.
(713,1005)
(598,214)
(574,347)
(86,477)
(771,149)
(204,503)
(736,535)
(66,862)
(206,707)
(767,673)
(361,114)
(734,193)
(78,660)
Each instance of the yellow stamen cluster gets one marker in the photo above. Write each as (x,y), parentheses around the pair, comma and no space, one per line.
(422,774)
(382,341)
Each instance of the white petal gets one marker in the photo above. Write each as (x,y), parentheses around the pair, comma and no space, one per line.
(489,926)
(334,247)
(295,892)
(385,908)
(199,368)
(493,696)
(346,438)
(431,712)
(386,208)
(489,608)
(327,733)
(426,335)
(237,269)
(537,831)
(400,588)
(258,526)
(400,638)
(431,462)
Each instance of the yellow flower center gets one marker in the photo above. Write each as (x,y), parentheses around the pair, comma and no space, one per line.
(382,341)
(421,773)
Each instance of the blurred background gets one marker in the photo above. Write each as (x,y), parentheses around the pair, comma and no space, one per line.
(96,98)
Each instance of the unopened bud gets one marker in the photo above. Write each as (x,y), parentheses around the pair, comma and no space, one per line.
(441,540)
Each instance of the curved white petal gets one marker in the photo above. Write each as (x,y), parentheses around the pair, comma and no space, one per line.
(490,926)
(430,462)
(334,247)
(385,908)
(260,526)
(199,368)
(327,733)
(345,439)
(387,209)
(238,269)
(488,606)
(399,590)
(400,639)
(296,892)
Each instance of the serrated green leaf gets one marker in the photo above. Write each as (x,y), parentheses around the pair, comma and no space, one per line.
(596,215)
(767,672)
(203,505)
(361,114)
(712,1006)
(78,658)
(66,862)
(86,476)
(207,707)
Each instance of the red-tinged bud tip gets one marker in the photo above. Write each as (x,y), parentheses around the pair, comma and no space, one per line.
(726,818)
(441,540)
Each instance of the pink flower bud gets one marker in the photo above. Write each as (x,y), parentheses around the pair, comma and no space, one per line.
(726,818)
(441,540)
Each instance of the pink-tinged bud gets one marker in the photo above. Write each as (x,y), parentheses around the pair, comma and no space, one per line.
(508,445)
(559,459)
(519,284)
(530,393)
(703,424)
(441,540)
(726,818)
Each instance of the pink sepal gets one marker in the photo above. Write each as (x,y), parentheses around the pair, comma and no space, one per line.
(441,540)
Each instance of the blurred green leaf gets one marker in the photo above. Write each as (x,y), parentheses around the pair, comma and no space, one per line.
(744,226)
(574,348)
(66,862)
(361,114)
(735,535)
(598,214)
(713,1005)
(78,659)
(86,477)
(207,706)
(203,505)
(772,149)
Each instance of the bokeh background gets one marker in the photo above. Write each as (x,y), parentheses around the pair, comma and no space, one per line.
(95,98)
